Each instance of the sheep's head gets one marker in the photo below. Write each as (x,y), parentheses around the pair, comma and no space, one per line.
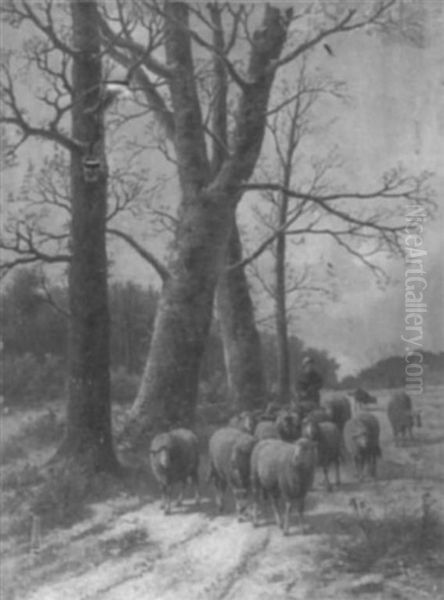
(361,438)
(160,451)
(248,421)
(289,424)
(304,452)
(310,429)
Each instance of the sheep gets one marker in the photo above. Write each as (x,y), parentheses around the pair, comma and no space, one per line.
(174,458)
(282,470)
(329,443)
(317,415)
(229,454)
(402,417)
(338,410)
(271,410)
(266,430)
(361,437)
(245,421)
(362,398)
(288,425)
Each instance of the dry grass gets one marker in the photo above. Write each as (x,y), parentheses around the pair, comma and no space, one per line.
(395,539)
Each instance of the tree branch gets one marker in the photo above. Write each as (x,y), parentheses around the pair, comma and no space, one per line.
(160,269)
(342,26)
(16,118)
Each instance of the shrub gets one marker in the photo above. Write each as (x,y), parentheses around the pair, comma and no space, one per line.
(25,477)
(44,431)
(61,499)
(395,536)
(28,380)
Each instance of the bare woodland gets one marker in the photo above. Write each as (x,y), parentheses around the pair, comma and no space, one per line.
(210,82)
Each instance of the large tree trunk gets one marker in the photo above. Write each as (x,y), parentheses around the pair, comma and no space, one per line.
(241,340)
(88,436)
(184,316)
(209,195)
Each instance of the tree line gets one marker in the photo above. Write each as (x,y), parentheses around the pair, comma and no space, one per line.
(390,373)
(34,321)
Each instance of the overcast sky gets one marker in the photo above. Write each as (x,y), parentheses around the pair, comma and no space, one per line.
(397,116)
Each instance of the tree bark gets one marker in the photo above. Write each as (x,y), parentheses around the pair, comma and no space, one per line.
(183,317)
(88,436)
(240,337)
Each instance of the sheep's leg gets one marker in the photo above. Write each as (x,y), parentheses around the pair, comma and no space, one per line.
(240,501)
(182,485)
(221,487)
(276,511)
(255,490)
(337,472)
(326,479)
(373,466)
(237,504)
(195,479)
(301,506)
(255,513)
(167,500)
(287,515)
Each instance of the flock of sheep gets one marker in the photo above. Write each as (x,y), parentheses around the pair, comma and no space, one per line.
(274,454)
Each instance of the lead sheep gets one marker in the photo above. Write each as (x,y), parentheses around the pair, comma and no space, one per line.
(229,453)
(174,458)
(402,417)
(361,437)
(282,471)
(329,442)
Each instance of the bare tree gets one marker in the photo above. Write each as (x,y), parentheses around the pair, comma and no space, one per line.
(216,149)
(209,191)
(71,64)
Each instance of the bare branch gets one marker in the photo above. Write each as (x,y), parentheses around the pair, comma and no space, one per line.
(21,10)
(24,250)
(16,117)
(124,41)
(49,299)
(160,269)
(344,25)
